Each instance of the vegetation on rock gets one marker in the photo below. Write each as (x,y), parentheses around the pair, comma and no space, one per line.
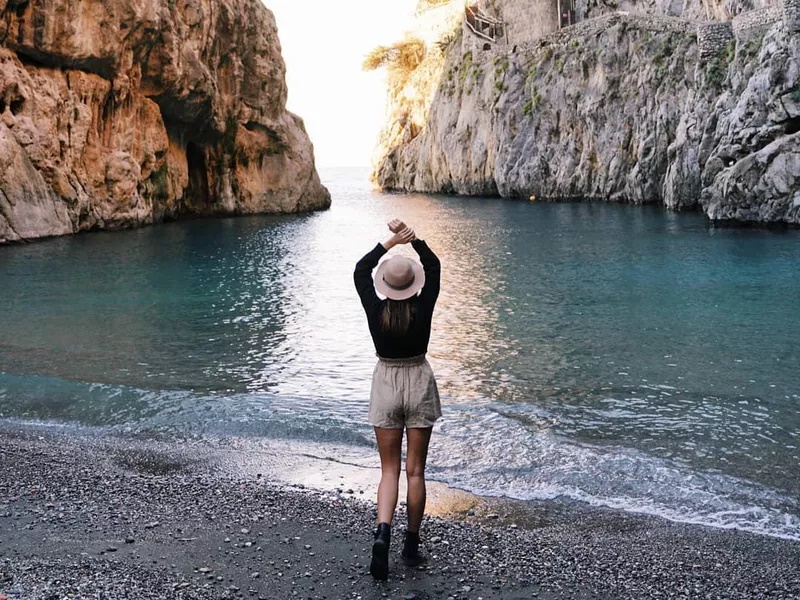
(400,59)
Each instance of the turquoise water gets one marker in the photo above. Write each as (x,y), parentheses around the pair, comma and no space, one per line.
(621,356)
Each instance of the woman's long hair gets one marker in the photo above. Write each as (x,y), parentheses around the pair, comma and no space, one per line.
(396,317)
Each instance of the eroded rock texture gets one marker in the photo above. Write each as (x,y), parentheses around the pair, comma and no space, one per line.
(121,113)
(620,108)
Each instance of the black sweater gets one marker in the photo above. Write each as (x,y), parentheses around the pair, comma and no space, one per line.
(415,342)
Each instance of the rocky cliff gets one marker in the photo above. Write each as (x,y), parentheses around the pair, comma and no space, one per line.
(619,108)
(120,113)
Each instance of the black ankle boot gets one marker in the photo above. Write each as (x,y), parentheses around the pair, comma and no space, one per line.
(379,568)
(411,555)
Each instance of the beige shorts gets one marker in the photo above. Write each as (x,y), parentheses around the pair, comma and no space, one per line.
(404,393)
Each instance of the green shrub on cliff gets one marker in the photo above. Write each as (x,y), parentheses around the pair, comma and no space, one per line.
(716,73)
(449,82)
(466,65)
(753,47)
(717,69)
(663,51)
(730,52)
(527,108)
(464,71)
(532,73)
(474,75)
(402,57)
(500,87)
(401,60)
(500,63)
(533,102)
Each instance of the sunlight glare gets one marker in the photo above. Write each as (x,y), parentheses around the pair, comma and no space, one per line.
(324,44)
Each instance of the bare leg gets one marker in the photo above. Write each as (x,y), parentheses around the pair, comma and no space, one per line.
(390,444)
(416,457)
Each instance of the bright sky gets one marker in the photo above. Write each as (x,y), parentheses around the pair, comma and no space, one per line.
(324,44)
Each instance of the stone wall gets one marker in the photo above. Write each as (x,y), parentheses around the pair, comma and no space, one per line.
(657,23)
(702,10)
(713,38)
(530,24)
(525,20)
(756,19)
(593,27)
(476,45)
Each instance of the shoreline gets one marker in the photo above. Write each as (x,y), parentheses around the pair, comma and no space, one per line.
(145,518)
(778,227)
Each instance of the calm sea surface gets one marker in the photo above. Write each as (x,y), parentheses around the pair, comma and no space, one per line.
(621,356)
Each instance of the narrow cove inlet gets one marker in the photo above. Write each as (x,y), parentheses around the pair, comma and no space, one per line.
(409,300)
(620,356)
(577,408)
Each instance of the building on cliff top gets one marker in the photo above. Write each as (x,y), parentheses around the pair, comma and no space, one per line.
(523,21)
(508,21)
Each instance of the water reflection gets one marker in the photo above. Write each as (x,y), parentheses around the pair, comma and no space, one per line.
(615,326)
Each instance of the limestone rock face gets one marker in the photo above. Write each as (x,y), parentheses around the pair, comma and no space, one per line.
(116,114)
(689,9)
(615,109)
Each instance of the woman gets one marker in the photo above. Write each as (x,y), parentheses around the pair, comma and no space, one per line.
(404,393)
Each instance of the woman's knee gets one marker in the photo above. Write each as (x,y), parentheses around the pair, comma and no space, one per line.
(391,472)
(414,471)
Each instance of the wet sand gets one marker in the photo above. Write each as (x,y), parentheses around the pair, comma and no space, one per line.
(123,517)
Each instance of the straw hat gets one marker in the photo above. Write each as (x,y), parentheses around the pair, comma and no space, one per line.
(399,278)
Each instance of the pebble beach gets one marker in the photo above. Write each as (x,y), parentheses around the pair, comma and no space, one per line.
(116,517)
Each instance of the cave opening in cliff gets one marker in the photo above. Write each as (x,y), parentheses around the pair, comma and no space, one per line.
(17,105)
(792,125)
(198,191)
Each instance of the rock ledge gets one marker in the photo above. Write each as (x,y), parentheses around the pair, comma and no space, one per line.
(125,113)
